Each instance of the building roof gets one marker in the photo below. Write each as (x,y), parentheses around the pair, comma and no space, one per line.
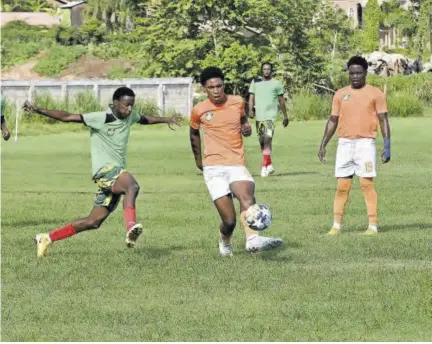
(73,4)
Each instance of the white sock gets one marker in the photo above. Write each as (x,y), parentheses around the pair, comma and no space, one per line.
(374,228)
(252,236)
(336,225)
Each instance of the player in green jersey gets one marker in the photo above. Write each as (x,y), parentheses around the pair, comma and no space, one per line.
(109,135)
(265,97)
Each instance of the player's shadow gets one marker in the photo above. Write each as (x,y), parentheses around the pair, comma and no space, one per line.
(287,174)
(157,252)
(275,254)
(399,227)
(33,223)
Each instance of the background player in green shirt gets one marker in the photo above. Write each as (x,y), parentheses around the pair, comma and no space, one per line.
(266,96)
(109,135)
(4,128)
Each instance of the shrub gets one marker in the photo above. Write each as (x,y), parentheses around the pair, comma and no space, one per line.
(58,58)
(404,104)
(418,85)
(21,42)
(305,105)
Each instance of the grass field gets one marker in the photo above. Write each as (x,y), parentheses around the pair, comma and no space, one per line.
(175,287)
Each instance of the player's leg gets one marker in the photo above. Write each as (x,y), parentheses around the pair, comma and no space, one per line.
(260,127)
(371,199)
(96,217)
(267,133)
(225,208)
(340,200)
(344,171)
(242,186)
(365,158)
(216,180)
(125,184)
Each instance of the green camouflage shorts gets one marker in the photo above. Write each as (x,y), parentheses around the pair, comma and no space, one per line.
(105,179)
(265,128)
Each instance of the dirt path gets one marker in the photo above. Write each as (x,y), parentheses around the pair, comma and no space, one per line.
(87,67)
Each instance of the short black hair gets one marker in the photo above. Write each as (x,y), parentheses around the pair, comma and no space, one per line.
(267,63)
(210,73)
(358,60)
(121,92)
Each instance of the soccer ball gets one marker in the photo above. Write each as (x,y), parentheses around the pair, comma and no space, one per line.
(258,217)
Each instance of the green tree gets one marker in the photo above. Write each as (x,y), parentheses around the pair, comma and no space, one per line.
(372,22)
(424,34)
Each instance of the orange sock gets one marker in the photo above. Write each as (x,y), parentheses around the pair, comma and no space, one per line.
(371,199)
(341,197)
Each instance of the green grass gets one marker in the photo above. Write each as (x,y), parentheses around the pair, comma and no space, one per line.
(175,287)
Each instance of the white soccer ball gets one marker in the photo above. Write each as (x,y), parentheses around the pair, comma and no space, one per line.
(258,217)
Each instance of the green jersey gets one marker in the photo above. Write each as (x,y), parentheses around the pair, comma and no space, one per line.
(266,94)
(109,137)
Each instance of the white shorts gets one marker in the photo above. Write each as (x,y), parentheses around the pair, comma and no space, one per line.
(219,178)
(356,157)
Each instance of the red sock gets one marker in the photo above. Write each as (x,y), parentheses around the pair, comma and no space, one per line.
(62,232)
(129,216)
(266,157)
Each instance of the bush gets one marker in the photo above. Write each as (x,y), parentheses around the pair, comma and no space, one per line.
(147,108)
(307,106)
(13,54)
(93,31)
(58,58)
(404,104)
(84,102)
(418,85)
(199,99)
(21,41)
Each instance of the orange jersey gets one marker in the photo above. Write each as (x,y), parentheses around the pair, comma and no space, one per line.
(358,111)
(223,142)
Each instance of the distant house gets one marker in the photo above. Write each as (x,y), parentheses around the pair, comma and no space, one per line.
(73,12)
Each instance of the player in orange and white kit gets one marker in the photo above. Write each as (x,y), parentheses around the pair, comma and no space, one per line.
(224,121)
(356,111)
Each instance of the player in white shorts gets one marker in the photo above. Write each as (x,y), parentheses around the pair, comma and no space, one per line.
(224,121)
(356,111)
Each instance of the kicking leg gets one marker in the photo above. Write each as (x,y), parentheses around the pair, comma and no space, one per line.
(96,217)
(244,191)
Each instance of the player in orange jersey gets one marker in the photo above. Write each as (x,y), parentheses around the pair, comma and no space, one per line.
(224,121)
(356,111)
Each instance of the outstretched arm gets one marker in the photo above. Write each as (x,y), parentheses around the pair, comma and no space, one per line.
(330,129)
(385,131)
(148,120)
(58,115)
(195,140)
